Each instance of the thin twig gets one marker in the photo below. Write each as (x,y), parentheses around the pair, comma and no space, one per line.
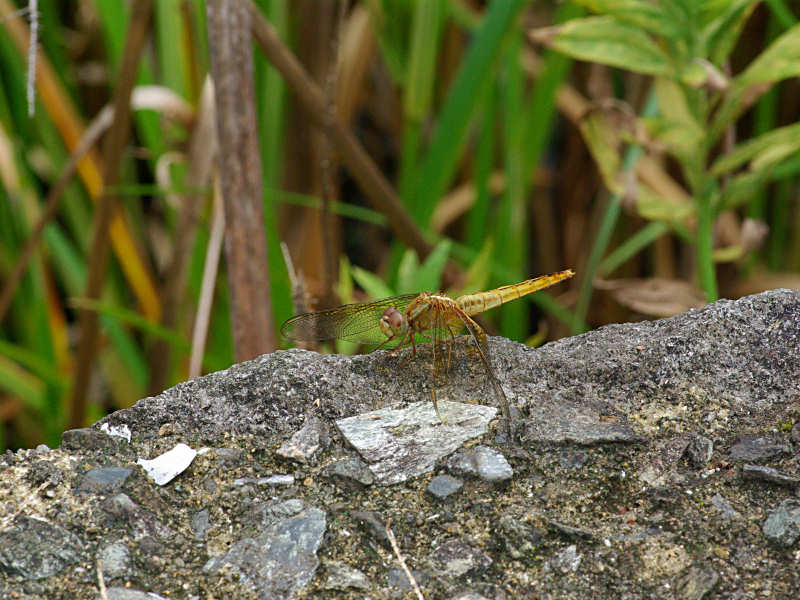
(33,10)
(402,561)
(101,582)
(210,269)
(96,128)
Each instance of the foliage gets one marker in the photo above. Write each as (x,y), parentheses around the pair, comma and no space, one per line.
(485,140)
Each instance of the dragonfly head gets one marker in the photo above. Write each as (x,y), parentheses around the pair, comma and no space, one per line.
(393,323)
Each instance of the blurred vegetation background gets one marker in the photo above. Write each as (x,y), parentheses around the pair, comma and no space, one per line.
(403,146)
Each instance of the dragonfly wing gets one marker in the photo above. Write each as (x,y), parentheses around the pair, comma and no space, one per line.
(352,322)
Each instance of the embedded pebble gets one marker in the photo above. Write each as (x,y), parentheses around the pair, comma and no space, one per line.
(699,451)
(342,576)
(305,442)
(756,449)
(725,507)
(350,472)
(481,461)
(442,486)
(783,524)
(769,474)
(455,558)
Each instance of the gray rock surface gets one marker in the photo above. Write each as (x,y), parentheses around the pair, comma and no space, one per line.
(783,524)
(604,429)
(402,443)
(480,461)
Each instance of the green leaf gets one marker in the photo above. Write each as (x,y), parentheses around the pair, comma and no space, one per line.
(430,273)
(466,93)
(650,16)
(603,141)
(608,41)
(407,273)
(780,61)
(477,276)
(655,207)
(720,34)
(18,382)
(784,137)
(420,76)
(371,283)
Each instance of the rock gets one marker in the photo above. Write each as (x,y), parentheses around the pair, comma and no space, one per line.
(200,523)
(397,578)
(661,463)
(104,481)
(350,473)
(35,549)
(456,558)
(725,507)
(229,457)
(520,537)
(116,560)
(783,524)
(757,449)
(727,370)
(699,451)
(769,474)
(139,522)
(342,577)
(88,439)
(566,561)
(562,424)
(442,486)
(573,459)
(302,446)
(570,531)
(481,461)
(374,524)
(402,443)
(281,560)
(696,583)
(468,596)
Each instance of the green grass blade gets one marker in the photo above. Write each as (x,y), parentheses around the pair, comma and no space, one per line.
(466,93)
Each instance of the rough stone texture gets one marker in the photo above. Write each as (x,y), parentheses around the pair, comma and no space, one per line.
(402,443)
(342,577)
(783,524)
(769,474)
(36,549)
(592,414)
(305,443)
(442,486)
(486,463)
(281,559)
(755,448)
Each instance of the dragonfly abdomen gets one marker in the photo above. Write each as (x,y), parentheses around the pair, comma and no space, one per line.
(473,304)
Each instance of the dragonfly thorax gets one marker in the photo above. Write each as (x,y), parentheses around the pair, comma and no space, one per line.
(393,323)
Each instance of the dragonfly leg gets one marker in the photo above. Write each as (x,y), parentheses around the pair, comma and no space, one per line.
(413,349)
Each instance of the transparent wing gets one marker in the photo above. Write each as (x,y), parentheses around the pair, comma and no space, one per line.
(352,322)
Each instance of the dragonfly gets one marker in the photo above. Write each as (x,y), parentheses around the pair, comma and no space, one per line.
(401,319)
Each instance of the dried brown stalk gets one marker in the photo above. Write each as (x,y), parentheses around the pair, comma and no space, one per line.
(239,165)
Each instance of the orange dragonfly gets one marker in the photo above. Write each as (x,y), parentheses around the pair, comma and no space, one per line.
(400,318)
